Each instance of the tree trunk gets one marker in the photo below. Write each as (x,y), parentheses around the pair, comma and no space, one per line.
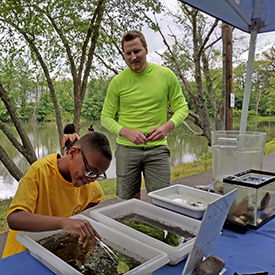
(49,81)
(223,92)
(198,79)
(229,79)
(27,149)
(209,87)
(10,165)
(33,119)
(80,86)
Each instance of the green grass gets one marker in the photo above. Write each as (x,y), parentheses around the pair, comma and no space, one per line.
(4,204)
(109,185)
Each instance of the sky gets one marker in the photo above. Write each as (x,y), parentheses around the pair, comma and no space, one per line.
(155,43)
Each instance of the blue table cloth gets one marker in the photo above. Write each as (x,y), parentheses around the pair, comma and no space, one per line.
(251,252)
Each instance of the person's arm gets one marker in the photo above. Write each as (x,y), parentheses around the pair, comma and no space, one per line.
(177,101)
(64,141)
(91,204)
(25,221)
(179,106)
(110,106)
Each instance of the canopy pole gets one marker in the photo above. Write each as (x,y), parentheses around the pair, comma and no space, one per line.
(246,97)
(247,88)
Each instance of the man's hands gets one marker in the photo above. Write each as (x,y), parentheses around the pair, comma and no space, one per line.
(160,132)
(135,136)
(138,137)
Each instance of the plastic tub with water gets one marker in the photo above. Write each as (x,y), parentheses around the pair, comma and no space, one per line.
(234,152)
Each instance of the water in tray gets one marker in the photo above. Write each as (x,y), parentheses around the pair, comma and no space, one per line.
(254,179)
(191,201)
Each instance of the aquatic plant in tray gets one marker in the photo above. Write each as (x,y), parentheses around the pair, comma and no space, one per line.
(171,235)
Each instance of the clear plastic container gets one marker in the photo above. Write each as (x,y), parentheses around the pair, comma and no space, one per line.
(234,152)
(254,203)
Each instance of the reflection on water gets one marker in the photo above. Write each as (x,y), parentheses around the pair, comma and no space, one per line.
(184,147)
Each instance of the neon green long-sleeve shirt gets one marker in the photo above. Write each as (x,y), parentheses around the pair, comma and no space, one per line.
(141,101)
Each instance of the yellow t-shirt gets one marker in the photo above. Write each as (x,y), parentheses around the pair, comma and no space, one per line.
(44,191)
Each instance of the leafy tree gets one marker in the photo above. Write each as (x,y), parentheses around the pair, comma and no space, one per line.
(66,36)
(48,29)
(65,96)
(194,49)
(93,102)
(259,84)
(239,76)
(45,111)
(261,87)
(269,70)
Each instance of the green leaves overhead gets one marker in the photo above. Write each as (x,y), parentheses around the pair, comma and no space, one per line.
(53,25)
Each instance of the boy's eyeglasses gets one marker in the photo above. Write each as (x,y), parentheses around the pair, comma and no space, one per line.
(90,173)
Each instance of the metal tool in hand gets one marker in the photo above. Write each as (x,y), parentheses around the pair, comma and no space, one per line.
(107,249)
(228,235)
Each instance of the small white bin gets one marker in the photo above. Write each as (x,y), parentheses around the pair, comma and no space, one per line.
(151,259)
(183,199)
(107,215)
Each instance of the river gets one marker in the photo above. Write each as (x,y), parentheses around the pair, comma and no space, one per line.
(184,146)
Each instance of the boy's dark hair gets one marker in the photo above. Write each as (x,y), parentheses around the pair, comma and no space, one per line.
(69,129)
(96,142)
(91,129)
(131,35)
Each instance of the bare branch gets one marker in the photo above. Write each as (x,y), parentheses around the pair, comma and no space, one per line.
(106,65)
(27,149)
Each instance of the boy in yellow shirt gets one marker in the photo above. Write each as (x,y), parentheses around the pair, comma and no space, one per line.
(55,188)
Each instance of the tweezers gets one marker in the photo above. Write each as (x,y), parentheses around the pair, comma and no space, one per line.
(107,249)
(228,235)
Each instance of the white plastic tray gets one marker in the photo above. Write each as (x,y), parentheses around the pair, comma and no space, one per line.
(107,215)
(151,258)
(181,199)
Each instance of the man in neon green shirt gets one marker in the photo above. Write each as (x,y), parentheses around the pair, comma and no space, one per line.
(140,94)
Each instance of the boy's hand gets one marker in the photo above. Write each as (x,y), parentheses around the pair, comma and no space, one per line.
(24,221)
(81,228)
